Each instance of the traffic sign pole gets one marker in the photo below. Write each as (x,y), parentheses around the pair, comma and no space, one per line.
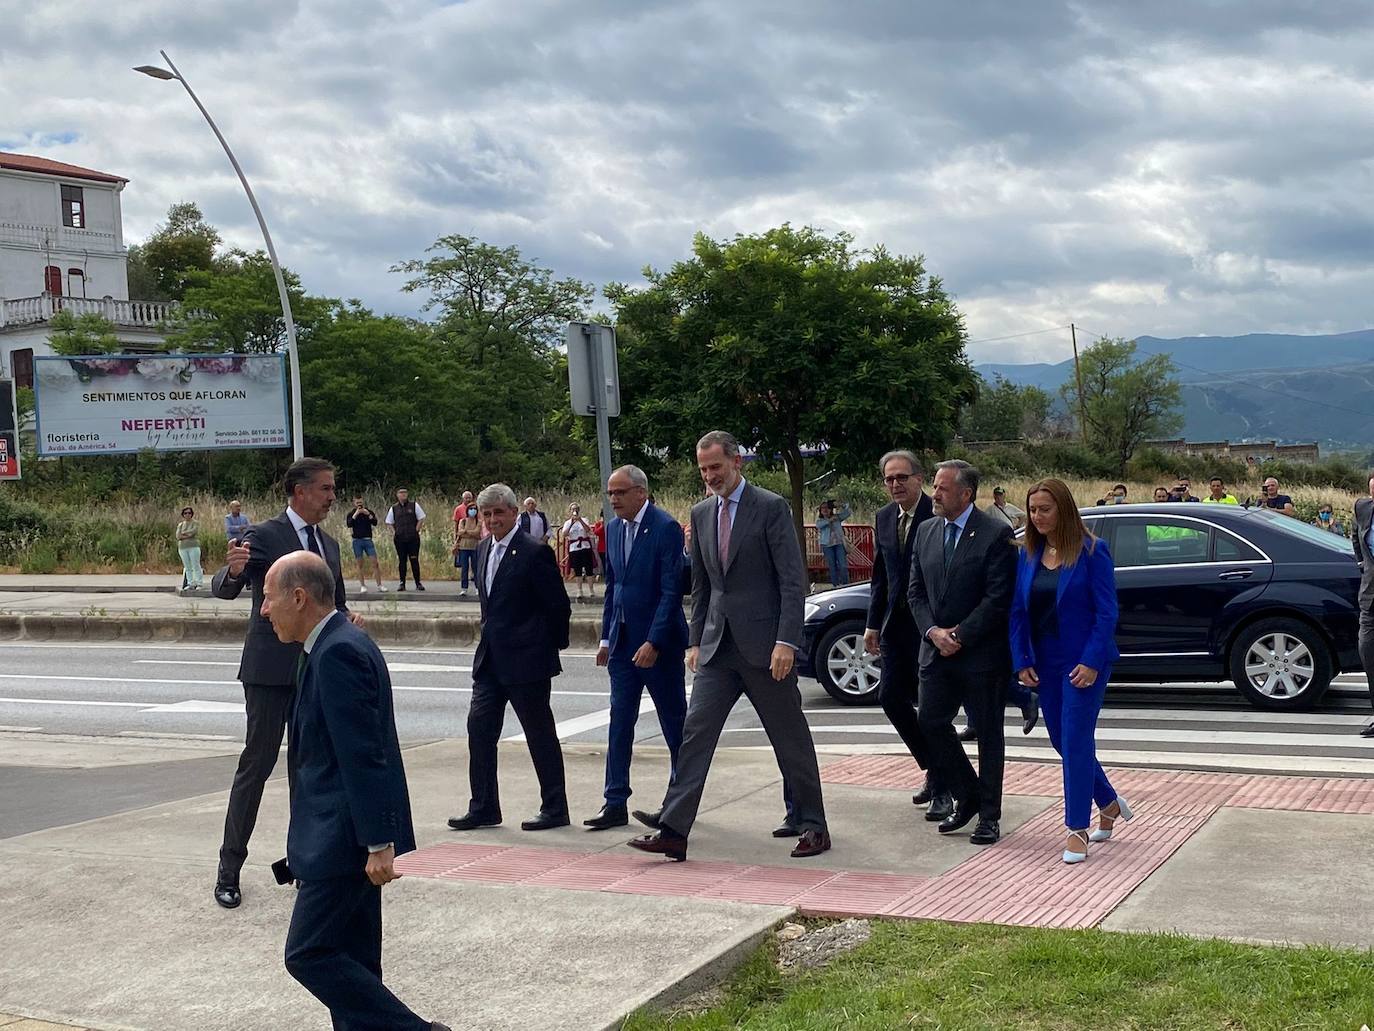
(591,337)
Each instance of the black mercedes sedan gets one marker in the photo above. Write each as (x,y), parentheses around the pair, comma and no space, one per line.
(1206,592)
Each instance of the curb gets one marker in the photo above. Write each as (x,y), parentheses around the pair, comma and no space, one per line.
(447,631)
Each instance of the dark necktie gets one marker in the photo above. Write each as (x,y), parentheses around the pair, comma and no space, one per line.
(300,670)
(629,541)
(903,527)
(310,542)
(951,536)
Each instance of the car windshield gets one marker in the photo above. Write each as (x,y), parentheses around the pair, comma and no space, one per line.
(1308,532)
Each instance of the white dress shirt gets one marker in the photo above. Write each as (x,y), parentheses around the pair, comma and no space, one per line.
(497,553)
(300,525)
(391,514)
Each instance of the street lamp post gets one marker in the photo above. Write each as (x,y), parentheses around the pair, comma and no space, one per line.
(297,436)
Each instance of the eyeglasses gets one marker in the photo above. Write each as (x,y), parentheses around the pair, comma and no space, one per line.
(899,478)
(620,492)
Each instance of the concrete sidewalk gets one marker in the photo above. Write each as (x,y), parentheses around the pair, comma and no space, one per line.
(150,608)
(109,923)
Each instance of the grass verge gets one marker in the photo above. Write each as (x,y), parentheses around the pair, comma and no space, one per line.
(935,975)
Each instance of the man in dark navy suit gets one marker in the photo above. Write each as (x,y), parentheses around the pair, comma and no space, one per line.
(525,617)
(643,631)
(890,631)
(268,666)
(350,810)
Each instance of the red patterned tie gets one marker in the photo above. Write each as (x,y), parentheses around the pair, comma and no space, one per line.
(723,534)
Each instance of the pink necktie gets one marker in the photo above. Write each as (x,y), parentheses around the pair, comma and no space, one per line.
(723,534)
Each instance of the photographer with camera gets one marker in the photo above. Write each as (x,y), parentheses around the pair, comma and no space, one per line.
(830,529)
(361,520)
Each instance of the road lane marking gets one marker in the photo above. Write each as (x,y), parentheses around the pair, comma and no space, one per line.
(1124,734)
(69,701)
(586,722)
(1310,719)
(197,705)
(394,667)
(116,680)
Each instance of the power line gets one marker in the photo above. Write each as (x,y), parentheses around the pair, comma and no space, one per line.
(1014,336)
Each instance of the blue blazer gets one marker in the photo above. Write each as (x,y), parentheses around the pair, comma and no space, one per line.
(1086,605)
(348,785)
(644,600)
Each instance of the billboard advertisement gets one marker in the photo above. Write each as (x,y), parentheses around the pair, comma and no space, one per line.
(110,404)
(9,432)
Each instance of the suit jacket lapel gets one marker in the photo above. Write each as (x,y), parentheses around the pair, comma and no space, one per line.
(640,535)
(706,535)
(483,557)
(511,551)
(744,516)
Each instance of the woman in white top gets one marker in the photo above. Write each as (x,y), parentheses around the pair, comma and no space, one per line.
(577,537)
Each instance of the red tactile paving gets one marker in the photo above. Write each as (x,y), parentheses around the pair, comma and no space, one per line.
(1021,880)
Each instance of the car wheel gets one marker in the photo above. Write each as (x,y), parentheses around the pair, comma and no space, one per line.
(847,672)
(1281,664)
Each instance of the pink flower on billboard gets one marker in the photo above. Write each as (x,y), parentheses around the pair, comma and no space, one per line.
(218,366)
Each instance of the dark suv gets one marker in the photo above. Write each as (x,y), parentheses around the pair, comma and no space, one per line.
(1206,593)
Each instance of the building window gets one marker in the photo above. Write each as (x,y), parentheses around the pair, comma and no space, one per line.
(76,283)
(73,207)
(52,280)
(21,366)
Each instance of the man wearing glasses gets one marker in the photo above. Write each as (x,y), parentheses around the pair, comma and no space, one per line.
(890,630)
(643,631)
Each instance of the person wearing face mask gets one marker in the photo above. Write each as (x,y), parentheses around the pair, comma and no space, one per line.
(1327,520)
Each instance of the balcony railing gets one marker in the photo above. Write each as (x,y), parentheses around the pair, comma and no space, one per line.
(24,311)
(28,234)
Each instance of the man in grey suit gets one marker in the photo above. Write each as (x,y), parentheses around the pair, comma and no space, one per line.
(1363,540)
(268,666)
(748,590)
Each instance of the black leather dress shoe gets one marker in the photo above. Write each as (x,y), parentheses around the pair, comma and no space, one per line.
(1367,730)
(545,821)
(664,843)
(228,895)
(786,830)
(610,816)
(1030,715)
(812,843)
(940,808)
(923,796)
(986,833)
(471,821)
(649,819)
(963,815)
(419,586)
(968,734)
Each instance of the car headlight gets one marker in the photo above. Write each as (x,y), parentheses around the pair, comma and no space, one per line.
(810,611)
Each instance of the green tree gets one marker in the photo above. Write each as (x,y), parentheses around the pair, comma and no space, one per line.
(791,339)
(88,333)
(1006,411)
(185,243)
(234,306)
(1125,402)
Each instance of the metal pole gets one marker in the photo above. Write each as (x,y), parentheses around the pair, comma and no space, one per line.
(592,337)
(1078,374)
(297,434)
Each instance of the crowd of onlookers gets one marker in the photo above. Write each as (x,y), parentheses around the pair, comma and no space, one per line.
(581,543)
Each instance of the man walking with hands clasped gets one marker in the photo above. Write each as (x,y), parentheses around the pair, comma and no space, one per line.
(963,574)
(748,590)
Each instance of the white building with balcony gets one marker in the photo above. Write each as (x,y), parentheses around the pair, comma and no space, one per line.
(62,248)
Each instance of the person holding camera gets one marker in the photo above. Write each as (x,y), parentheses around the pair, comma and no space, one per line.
(467,534)
(361,520)
(830,529)
(577,537)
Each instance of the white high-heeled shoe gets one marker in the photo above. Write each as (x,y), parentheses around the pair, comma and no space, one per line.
(1105,833)
(1071,856)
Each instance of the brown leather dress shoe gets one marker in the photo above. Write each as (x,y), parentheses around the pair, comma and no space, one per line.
(664,843)
(812,843)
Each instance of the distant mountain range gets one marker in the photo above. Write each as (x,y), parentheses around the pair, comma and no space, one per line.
(1260,386)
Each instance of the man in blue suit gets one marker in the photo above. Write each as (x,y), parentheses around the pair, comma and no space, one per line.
(643,631)
(350,810)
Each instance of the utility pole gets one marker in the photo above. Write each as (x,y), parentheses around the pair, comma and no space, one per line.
(1078,375)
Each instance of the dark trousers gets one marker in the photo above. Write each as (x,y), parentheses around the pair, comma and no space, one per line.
(486,715)
(1018,694)
(1367,649)
(984,694)
(408,549)
(666,681)
(266,709)
(334,949)
(467,564)
(898,691)
(715,690)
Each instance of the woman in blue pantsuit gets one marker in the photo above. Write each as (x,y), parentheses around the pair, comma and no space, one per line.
(1063,643)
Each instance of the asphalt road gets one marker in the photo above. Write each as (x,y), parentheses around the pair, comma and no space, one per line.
(153,690)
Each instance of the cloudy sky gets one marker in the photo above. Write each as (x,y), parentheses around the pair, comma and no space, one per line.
(1173,168)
